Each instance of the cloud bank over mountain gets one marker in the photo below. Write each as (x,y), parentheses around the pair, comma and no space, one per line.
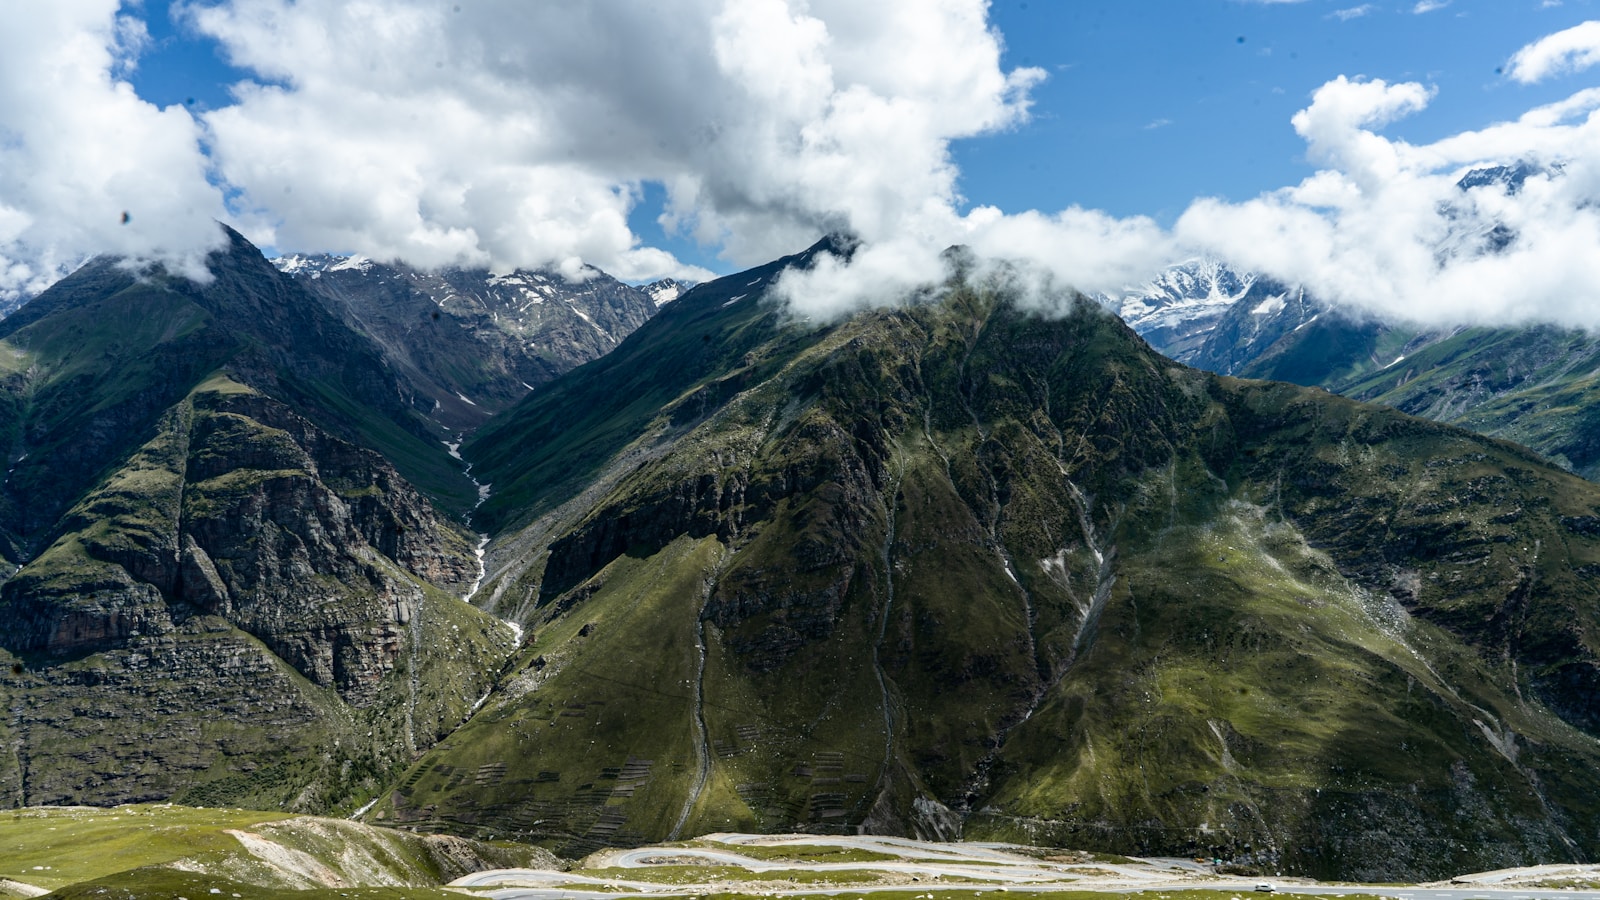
(87,167)
(1391,227)
(501,134)
(468,133)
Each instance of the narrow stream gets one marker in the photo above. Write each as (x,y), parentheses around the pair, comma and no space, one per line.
(483,539)
(702,749)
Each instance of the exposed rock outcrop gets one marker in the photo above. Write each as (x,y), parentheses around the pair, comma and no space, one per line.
(242,509)
(177,638)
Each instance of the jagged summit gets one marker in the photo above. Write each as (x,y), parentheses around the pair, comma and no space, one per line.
(1508,178)
(1179,306)
(666,290)
(1188,298)
(315,264)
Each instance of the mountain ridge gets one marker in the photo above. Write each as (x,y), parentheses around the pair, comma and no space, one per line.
(927,570)
(224,592)
(1531,384)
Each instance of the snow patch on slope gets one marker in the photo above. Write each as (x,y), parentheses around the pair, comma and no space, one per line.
(1270,306)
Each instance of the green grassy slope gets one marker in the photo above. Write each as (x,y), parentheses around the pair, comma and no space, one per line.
(1536,386)
(150,850)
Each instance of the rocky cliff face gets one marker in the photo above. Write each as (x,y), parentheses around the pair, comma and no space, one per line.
(221,590)
(963,568)
(244,589)
(472,342)
(236,509)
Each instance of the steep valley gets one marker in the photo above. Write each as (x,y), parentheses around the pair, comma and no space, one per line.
(472,342)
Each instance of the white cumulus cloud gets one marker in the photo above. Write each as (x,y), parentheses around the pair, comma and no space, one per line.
(78,150)
(503,133)
(511,133)
(1385,225)
(1573,50)
(1353,12)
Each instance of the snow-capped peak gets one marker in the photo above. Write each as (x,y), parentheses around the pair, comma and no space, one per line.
(1197,288)
(314,264)
(295,263)
(665,291)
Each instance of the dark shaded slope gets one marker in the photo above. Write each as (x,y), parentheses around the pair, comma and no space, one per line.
(552,442)
(93,362)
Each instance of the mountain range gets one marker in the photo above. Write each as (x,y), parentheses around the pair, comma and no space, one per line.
(1533,384)
(225,589)
(962,566)
(472,342)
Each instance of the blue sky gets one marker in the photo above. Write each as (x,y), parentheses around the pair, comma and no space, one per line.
(180,65)
(1147,104)
(1151,103)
